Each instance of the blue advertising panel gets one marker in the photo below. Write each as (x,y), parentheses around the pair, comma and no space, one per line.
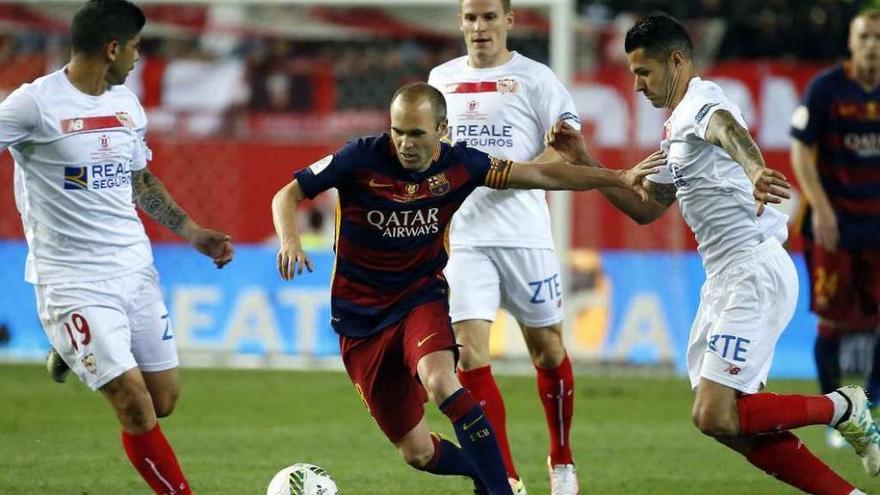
(648,301)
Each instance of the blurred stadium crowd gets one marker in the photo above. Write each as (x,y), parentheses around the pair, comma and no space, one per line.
(227,62)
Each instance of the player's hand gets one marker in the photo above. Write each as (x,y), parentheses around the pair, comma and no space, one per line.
(771,186)
(825,230)
(292,258)
(634,178)
(213,244)
(569,143)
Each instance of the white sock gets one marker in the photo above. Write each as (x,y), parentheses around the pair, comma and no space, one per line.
(841,404)
(856,491)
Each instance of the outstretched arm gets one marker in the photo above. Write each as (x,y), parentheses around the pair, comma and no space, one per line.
(561,175)
(154,199)
(769,185)
(291,257)
(569,143)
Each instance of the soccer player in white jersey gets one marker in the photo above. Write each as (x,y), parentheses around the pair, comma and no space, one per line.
(717,173)
(502,252)
(77,137)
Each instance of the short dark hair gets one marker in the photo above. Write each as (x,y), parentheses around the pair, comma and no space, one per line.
(659,34)
(413,92)
(505,5)
(99,22)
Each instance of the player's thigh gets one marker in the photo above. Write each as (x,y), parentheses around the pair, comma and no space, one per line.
(833,293)
(89,328)
(474,285)
(756,300)
(152,337)
(389,391)
(531,289)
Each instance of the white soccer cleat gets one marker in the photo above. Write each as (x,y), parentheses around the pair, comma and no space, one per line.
(56,366)
(859,429)
(563,479)
(517,486)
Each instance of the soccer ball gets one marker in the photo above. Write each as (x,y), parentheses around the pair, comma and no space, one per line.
(302,479)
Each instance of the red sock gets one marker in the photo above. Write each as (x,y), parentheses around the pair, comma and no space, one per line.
(768,413)
(556,390)
(481,384)
(785,457)
(153,457)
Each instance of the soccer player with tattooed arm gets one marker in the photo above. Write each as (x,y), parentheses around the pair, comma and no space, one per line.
(717,173)
(77,136)
(389,297)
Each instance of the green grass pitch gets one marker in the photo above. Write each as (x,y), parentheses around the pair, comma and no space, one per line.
(233,429)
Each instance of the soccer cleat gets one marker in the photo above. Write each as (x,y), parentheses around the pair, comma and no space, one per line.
(517,486)
(859,430)
(834,439)
(56,366)
(563,479)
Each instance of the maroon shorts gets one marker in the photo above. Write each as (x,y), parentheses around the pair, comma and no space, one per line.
(383,367)
(844,284)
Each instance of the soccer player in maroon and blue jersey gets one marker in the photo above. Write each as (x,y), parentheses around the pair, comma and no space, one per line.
(389,298)
(836,157)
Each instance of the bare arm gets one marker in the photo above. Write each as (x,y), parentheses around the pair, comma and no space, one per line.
(569,143)
(660,197)
(804,161)
(769,185)
(561,175)
(153,198)
(291,257)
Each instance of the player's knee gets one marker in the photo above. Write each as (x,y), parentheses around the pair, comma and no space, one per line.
(439,386)
(715,423)
(164,403)
(545,346)
(134,409)
(419,458)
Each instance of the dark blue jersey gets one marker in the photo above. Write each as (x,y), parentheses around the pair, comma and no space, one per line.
(392,237)
(843,120)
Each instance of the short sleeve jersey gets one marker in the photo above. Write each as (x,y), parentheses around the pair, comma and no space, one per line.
(74,155)
(504,111)
(713,190)
(843,120)
(392,226)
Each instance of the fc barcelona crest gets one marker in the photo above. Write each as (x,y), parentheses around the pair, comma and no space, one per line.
(506,85)
(438,184)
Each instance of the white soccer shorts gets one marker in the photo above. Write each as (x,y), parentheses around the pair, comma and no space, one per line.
(523,281)
(105,328)
(743,311)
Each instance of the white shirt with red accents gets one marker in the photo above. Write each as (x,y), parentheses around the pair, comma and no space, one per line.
(504,111)
(74,156)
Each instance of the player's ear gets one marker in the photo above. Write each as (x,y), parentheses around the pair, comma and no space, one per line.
(677,58)
(509,19)
(443,127)
(111,50)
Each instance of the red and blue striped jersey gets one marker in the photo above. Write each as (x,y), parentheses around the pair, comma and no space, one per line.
(843,120)
(392,226)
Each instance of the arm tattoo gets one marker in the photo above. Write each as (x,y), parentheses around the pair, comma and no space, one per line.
(736,140)
(152,197)
(662,193)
